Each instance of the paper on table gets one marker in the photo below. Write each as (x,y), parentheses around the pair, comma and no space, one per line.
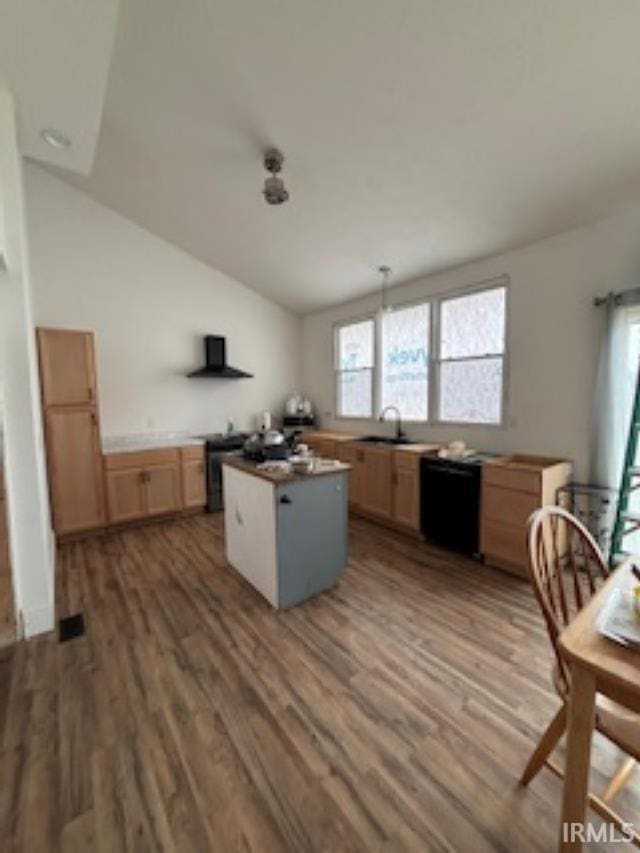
(619,620)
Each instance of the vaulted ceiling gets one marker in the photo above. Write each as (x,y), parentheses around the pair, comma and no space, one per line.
(54,59)
(417,133)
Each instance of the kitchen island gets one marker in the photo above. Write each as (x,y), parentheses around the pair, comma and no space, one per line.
(286,533)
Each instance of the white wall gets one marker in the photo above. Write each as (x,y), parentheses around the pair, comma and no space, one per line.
(149,305)
(554,334)
(30,536)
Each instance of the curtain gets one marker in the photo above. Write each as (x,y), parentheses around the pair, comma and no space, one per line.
(615,387)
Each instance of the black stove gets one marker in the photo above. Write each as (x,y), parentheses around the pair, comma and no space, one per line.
(225,441)
(217,446)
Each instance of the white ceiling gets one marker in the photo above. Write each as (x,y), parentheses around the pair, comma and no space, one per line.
(418,133)
(54,59)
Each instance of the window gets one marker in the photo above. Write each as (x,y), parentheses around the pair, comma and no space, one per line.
(441,360)
(471,357)
(405,361)
(354,369)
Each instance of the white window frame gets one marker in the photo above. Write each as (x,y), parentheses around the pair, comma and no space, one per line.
(500,283)
(337,371)
(434,304)
(399,306)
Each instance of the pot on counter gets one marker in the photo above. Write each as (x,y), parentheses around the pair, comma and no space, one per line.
(269,444)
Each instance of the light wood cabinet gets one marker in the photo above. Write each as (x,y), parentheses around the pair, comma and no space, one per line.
(72,432)
(143,484)
(406,489)
(377,486)
(67,367)
(383,482)
(75,474)
(194,484)
(354,456)
(326,448)
(512,488)
(163,489)
(126,495)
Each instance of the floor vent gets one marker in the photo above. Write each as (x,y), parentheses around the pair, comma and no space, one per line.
(71,627)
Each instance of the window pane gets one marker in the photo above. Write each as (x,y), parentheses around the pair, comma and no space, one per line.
(471,391)
(473,325)
(405,354)
(355,345)
(354,394)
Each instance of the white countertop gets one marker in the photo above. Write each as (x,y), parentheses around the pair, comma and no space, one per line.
(148,441)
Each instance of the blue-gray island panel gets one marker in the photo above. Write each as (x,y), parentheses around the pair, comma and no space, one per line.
(311,536)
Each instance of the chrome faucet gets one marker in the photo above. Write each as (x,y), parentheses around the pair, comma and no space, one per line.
(400,433)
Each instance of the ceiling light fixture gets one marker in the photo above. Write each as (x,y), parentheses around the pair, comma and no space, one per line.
(274,188)
(55,138)
(385,272)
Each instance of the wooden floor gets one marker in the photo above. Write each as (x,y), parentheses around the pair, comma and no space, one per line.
(393,713)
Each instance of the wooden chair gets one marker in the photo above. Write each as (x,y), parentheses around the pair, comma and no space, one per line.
(566,567)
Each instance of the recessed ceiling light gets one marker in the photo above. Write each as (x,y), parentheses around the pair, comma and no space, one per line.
(55,138)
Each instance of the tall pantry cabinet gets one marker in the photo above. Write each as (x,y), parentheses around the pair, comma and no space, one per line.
(72,432)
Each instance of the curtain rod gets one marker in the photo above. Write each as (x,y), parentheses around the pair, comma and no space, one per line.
(623,297)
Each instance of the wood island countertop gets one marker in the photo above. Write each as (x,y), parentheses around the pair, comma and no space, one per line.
(278,477)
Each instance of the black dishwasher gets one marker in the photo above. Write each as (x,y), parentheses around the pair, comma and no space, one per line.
(450,502)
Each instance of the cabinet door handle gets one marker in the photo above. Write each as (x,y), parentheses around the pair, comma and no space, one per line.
(90,393)
(285,499)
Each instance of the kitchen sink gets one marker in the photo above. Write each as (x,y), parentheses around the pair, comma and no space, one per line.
(382,439)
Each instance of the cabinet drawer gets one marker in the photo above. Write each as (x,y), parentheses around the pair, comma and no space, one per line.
(512,478)
(192,452)
(140,458)
(502,544)
(507,506)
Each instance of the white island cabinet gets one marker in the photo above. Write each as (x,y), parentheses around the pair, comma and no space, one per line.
(286,534)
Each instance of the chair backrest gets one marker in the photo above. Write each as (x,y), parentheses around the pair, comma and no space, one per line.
(566,568)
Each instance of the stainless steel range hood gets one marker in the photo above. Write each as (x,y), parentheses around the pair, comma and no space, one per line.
(216,366)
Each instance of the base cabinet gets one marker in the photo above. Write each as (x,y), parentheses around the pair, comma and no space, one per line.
(142,485)
(377,482)
(406,490)
(194,486)
(353,456)
(162,487)
(383,482)
(512,488)
(125,495)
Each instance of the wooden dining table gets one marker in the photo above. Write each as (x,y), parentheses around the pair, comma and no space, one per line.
(598,665)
